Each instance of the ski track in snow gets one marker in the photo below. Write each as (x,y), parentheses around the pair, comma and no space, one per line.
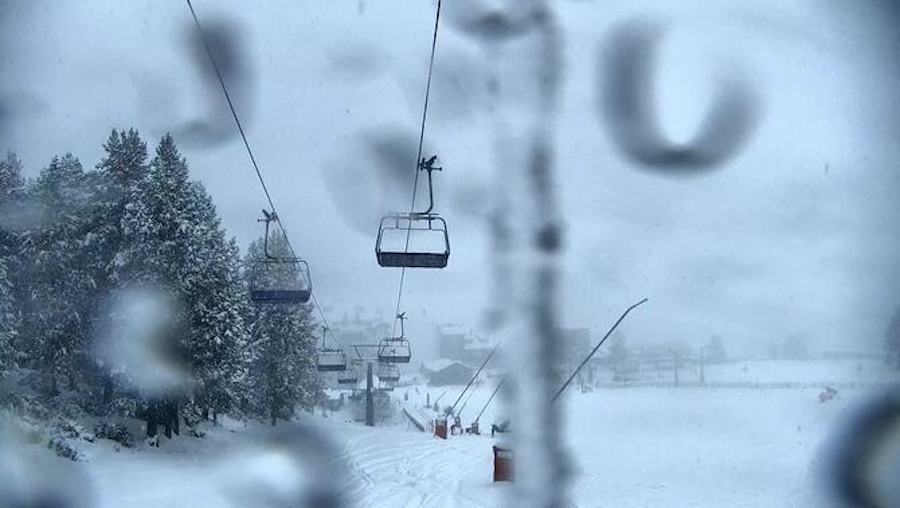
(406,469)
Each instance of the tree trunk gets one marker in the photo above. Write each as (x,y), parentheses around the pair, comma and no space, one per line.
(107,390)
(176,420)
(152,420)
(54,389)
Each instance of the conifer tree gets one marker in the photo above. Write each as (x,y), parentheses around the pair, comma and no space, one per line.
(8,320)
(11,192)
(11,181)
(184,247)
(121,186)
(56,308)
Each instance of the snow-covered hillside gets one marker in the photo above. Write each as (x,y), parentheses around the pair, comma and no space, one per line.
(636,447)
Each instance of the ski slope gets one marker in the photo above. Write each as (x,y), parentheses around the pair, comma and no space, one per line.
(399,468)
(627,447)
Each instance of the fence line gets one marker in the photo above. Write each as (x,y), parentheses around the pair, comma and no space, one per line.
(745,385)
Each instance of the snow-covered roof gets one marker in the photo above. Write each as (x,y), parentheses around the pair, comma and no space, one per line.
(439,364)
(450,329)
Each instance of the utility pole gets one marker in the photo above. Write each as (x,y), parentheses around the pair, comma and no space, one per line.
(370,406)
(702,373)
(675,363)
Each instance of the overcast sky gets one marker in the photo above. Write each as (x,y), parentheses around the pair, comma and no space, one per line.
(793,236)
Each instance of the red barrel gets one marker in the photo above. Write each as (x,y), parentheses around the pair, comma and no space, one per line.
(440,428)
(503,464)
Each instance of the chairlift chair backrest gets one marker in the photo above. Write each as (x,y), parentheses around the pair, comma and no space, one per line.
(331,360)
(388,373)
(280,282)
(348,377)
(394,350)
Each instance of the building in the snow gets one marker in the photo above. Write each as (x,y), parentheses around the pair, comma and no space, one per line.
(444,372)
(462,344)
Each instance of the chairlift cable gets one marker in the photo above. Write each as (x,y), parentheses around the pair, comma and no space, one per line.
(259,175)
(412,204)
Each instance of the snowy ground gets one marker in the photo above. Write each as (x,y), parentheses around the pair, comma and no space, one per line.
(628,447)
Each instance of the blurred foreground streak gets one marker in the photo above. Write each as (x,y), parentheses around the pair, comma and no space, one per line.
(863,462)
(627,108)
(523,41)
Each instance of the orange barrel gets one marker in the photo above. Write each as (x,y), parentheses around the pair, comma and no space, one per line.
(503,464)
(440,428)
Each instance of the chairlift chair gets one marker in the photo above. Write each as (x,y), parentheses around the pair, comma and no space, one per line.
(278,279)
(330,359)
(388,373)
(395,349)
(424,224)
(348,377)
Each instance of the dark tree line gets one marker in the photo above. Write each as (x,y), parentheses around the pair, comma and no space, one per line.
(71,239)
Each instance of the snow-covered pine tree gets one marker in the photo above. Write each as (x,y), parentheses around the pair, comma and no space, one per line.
(119,185)
(56,308)
(118,214)
(8,320)
(191,257)
(217,304)
(11,190)
(282,374)
(11,181)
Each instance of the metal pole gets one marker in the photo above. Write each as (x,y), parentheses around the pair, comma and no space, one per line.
(589,356)
(702,373)
(488,403)
(486,360)
(465,403)
(370,406)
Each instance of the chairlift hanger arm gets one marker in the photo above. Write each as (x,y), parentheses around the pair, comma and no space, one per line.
(428,166)
(402,318)
(269,217)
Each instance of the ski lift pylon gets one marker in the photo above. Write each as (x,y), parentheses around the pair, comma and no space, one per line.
(426,222)
(278,279)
